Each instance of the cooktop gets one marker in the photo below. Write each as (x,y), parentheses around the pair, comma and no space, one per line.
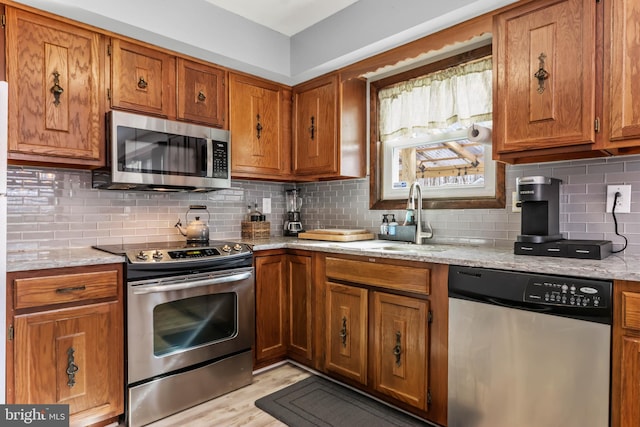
(161,252)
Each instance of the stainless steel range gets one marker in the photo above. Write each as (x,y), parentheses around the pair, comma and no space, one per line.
(190,324)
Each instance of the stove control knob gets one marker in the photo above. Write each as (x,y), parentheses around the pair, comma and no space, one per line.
(142,256)
(237,247)
(157,255)
(226,248)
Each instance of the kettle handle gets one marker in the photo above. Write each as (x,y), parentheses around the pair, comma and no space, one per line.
(198,207)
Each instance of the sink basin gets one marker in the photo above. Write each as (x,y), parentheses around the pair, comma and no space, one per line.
(367,244)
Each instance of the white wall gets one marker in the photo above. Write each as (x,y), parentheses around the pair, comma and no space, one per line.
(202,30)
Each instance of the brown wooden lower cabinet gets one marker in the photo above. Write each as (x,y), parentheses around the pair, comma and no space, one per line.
(400,354)
(346,335)
(68,342)
(283,307)
(625,389)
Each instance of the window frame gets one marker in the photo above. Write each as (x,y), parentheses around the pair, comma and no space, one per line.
(376,173)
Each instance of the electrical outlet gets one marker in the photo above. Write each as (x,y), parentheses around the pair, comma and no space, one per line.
(515,202)
(623,204)
(266,205)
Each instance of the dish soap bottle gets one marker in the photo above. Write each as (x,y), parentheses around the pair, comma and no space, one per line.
(384,227)
(392,225)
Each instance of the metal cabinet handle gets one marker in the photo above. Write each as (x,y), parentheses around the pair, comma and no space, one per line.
(56,89)
(70,289)
(72,368)
(312,128)
(397,350)
(258,127)
(201,96)
(142,83)
(343,332)
(541,74)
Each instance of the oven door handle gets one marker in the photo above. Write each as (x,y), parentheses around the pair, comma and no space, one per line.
(148,289)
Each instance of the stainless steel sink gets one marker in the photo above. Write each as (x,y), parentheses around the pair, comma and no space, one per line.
(367,244)
(416,249)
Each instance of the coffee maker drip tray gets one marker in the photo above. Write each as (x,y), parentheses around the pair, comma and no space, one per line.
(566,248)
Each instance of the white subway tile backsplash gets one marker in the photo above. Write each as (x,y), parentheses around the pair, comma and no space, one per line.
(57,208)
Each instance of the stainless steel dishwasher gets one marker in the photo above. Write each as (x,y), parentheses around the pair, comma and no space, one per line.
(528,350)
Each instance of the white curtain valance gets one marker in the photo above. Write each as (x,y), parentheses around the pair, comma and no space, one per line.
(460,94)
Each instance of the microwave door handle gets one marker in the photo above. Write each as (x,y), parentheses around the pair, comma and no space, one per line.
(148,289)
(209,157)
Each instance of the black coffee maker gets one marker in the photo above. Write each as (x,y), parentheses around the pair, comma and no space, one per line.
(540,204)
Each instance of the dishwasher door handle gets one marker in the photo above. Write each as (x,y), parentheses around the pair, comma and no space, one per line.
(496,301)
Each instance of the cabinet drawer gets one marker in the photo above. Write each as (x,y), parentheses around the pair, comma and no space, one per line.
(631,310)
(38,291)
(399,277)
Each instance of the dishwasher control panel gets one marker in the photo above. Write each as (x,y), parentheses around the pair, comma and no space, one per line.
(566,292)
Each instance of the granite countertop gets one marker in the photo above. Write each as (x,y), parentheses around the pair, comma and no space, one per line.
(613,267)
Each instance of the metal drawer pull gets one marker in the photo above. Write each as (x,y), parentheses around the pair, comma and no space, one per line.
(201,96)
(71,289)
(312,129)
(258,127)
(142,84)
(541,74)
(56,89)
(72,368)
(343,331)
(397,350)
(148,289)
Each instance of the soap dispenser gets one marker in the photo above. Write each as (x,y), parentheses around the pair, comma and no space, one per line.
(392,225)
(384,227)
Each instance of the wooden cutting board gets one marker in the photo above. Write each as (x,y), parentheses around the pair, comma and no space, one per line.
(335,236)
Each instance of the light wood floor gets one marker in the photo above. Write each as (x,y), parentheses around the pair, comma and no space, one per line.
(236,408)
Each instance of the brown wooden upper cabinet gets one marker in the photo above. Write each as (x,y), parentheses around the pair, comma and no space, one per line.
(56,113)
(329,128)
(552,98)
(201,93)
(544,74)
(142,79)
(260,122)
(621,124)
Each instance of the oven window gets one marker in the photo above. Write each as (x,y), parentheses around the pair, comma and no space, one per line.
(192,322)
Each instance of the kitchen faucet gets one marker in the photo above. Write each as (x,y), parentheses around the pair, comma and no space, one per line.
(415,192)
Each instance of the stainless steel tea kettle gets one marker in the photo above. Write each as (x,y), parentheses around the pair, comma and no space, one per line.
(197,231)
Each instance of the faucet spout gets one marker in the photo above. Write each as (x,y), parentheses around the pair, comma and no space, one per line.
(415,193)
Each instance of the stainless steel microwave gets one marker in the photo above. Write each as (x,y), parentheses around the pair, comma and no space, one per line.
(149,153)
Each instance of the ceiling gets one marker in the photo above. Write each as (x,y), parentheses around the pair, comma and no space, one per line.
(288,17)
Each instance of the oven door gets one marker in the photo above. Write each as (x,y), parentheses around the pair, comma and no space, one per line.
(177,322)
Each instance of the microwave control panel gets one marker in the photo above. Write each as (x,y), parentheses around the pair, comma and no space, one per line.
(220,159)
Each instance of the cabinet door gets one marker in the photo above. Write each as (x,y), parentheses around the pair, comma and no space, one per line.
(54,73)
(201,93)
(630,382)
(622,75)
(270,307)
(71,356)
(400,347)
(316,134)
(258,122)
(300,305)
(544,66)
(347,322)
(142,79)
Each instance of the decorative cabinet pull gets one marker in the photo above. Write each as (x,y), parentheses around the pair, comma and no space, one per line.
(312,129)
(142,83)
(56,89)
(397,350)
(541,74)
(201,96)
(258,127)
(343,332)
(72,368)
(71,289)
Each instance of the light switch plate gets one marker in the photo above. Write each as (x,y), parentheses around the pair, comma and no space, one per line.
(266,205)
